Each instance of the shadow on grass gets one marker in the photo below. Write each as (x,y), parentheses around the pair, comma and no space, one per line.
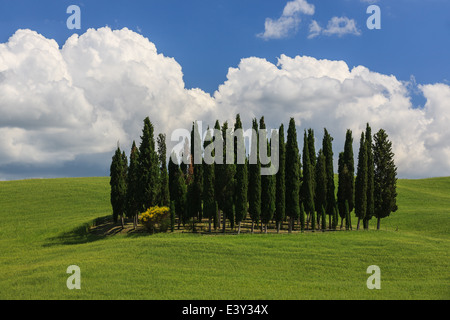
(97,229)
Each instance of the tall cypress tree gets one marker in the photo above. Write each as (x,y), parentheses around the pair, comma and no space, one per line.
(312,161)
(307,186)
(133,186)
(267,189)
(118,183)
(385,178)
(219,144)
(280,210)
(321,183)
(254,177)
(361,183)
(209,203)
(241,174)
(148,167)
(228,172)
(328,153)
(349,189)
(292,174)
(342,174)
(164,194)
(370,177)
(196,151)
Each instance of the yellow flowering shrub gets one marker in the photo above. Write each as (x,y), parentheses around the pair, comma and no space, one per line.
(156,219)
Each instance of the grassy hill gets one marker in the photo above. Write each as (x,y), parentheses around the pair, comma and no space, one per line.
(43,230)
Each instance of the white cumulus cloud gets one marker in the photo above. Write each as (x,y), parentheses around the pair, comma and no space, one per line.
(288,22)
(59,105)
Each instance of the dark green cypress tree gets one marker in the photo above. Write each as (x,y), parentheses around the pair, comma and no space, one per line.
(254,177)
(229,171)
(370,177)
(148,167)
(361,183)
(349,190)
(327,149)
(307,185)
(385,177)
(241,175)
(118,183)
(219,171)
(292,174)
(312,161)
(164,193)
(321,182)
(209,203)
(133,186)
(267,189)
(280,211)
(197,165)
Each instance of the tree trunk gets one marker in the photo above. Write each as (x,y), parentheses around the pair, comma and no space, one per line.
(290,224)
(239,227)
(342,223)
(121,220)
(209,224)
(378,224)
(253,226)
(278,227)
(329,222)
(357,226)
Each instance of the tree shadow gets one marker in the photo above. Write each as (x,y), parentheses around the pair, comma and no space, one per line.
(95,230)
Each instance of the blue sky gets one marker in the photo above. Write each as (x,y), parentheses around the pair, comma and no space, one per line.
(207,37)
(212,42)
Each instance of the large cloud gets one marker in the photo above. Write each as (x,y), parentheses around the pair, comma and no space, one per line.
(61,106)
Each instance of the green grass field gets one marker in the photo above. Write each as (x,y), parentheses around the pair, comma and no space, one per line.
(43,227)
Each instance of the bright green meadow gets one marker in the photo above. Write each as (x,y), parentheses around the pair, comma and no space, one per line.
(44,229)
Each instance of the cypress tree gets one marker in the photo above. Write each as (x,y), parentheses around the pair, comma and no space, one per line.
(280,210)
(321,183)
(196,151)
(307,186)
(385,177)
(229,171)
(312,161)
(349,182)
(148,167)
(254,178)
(218,170)
(327,149)
(241,191)
(209,203)
(164,193)
(267,189)
(370,177)
(133,186)
(118,174)
(292,174)
(361,183)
